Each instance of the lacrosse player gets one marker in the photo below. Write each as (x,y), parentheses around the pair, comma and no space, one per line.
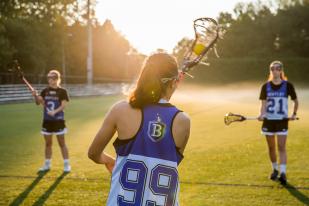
(274,114)
(152,135)
(54,99)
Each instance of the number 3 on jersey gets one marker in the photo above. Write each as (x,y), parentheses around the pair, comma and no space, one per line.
(50,106)
(163,181)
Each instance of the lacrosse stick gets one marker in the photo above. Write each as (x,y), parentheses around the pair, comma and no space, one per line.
(15,67)
(206,35)
(230,118)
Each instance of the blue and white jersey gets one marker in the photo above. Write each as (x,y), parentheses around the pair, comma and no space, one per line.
(145,173)
(277,102)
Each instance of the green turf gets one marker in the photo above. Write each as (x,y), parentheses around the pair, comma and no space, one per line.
(222,166)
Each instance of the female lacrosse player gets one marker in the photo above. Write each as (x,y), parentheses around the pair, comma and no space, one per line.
(274,114)
(152,135)
(54,99)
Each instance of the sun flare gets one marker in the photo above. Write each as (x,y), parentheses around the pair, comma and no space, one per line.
(158,24)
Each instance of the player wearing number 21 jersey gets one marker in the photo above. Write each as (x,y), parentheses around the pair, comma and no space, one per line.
(152,135)
(274,113)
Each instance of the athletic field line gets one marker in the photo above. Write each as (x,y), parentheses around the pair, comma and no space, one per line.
(182,182)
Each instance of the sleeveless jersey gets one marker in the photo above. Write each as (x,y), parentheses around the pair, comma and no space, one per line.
(277,102)
(145,173)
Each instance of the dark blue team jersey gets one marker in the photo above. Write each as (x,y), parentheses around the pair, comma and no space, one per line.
(53,98)
(145,171)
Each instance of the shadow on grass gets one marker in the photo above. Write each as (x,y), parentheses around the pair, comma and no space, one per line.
(288,186)
(41,200)
(22,196)
(297,194)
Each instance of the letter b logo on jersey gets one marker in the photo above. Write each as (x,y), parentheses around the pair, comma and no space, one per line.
(156,130)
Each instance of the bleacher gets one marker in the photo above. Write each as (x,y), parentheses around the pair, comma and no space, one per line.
(20,93)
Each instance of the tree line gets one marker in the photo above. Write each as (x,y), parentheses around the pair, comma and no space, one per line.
(257,33)
(43,35)
(53,34)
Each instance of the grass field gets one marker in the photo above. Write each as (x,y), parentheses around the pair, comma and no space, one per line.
(222,166)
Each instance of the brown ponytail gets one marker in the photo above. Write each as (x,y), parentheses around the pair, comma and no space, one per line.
(149,88)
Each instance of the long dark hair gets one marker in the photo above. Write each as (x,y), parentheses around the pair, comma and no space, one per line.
(150,87)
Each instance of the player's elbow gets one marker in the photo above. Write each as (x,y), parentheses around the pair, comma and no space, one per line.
(92,155)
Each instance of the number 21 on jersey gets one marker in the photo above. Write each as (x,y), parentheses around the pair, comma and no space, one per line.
(275,105)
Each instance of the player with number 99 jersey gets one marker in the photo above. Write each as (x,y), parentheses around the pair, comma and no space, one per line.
(146,165)
(152,136)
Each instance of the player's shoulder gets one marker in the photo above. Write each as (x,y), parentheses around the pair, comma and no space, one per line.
(45,89)
(183,118)
(62,89)
(264,85)
(290,84)
(121,107)
(42,92)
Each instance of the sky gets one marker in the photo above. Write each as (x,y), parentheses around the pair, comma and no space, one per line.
(153,24)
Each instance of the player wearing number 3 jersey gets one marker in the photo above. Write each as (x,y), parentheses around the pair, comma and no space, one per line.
(54,99)
(152,135)
(274,113)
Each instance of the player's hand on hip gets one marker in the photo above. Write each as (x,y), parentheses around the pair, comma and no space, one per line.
(261,117)
(293,117)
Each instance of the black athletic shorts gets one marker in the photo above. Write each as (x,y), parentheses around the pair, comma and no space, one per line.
(53,127)
(272,127)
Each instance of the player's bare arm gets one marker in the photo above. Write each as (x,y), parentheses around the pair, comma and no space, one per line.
(262,110)
(181,130)
(102,138)
(37,98)
(295,108)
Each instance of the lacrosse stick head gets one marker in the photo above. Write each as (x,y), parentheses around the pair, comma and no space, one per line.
(14,67)
(230,118)
(206,35)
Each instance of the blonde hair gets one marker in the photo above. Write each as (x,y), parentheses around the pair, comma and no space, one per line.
(57,73)
(282,75)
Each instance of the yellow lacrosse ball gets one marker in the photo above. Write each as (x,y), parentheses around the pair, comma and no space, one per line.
(198,49)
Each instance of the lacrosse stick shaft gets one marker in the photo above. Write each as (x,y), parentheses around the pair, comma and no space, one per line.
(28,84)
(251,118)
(21,75)
(255,118)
